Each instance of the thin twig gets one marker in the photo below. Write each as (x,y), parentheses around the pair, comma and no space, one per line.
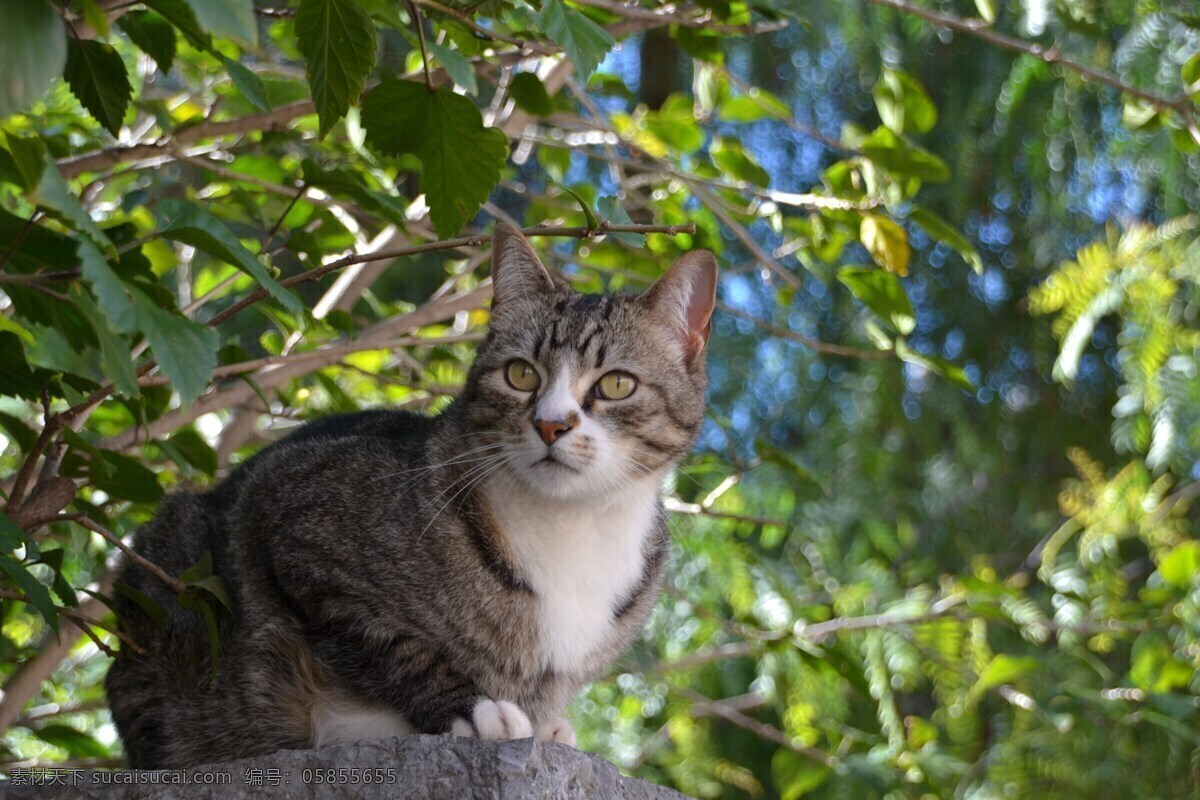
(1051,55)
(172,582)
(486,32)
(421,37)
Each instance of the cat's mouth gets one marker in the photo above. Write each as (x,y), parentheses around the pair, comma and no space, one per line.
(554,462)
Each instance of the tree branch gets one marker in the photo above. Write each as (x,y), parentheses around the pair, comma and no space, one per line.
(1051,55)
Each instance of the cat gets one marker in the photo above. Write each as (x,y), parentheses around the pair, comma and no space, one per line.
(468,573)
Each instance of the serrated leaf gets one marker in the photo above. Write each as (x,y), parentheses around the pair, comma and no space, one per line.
(233,19)
(33,51)
(882,293)
(942,231)
(250,85)
(461,159)
(611,210)
(457,67)
(185,350)
(530,94)
(337,40)
(97,77)
(50,189)
(115,353)
(585,42)
(189,223)
(36,591)
(183,18)
(887,243)
(153,34)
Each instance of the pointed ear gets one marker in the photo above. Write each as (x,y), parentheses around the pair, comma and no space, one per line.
(685,296)
(517,272)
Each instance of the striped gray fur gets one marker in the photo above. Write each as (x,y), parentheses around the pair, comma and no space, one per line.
(392,572)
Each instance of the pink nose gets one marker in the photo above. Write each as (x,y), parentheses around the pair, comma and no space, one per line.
(550,430)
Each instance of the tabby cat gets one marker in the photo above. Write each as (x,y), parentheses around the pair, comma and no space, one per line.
(394,573)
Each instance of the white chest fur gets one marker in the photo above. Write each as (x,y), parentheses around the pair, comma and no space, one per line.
(583,560)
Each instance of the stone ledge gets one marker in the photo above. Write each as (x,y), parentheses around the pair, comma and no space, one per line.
(409,767)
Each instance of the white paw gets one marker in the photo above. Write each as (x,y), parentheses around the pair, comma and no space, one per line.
(494,719)
(556,730)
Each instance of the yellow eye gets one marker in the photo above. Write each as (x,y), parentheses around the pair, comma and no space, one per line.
(615,385)
(521,376)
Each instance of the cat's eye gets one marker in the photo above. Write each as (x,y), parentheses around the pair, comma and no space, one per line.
(615,385)
(521,376)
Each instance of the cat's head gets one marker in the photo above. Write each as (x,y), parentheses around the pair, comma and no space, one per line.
(584,395)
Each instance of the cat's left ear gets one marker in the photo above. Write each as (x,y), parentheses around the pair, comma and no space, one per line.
(685,295)
(517,272)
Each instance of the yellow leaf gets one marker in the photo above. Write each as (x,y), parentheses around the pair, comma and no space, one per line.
(887,243)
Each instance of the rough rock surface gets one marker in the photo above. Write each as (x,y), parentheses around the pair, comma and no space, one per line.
(410,767)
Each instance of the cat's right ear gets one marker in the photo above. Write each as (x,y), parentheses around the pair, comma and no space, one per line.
(517,272)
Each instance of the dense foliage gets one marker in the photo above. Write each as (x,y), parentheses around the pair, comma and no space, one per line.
(939,537)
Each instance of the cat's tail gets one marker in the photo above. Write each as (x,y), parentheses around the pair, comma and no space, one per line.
(150,694)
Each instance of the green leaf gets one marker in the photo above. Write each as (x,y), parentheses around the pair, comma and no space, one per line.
(37,593)
(935,364)
(346,183)
(128,479)
(795,776)
(733,160)
(1004,669)
(153,34)
(77,743)
(903,158)
(1182,565)
(181,15)
(1189,73)
(9,326)
(62,587)
(145,602)
(461,159)
(186,351)
(987,10)
(195,451)
(11,535)
(457,67)
(118,366)
(887,243)
(249,84)
(753,106)
(589,216)
(530,95)
(97,77)
(232,19)
(189,223)
(1155,667)
(903,103)
(882,293)
(940,230)
(48,188)
(337,40)
(585,42)
(33,51)
(611,209)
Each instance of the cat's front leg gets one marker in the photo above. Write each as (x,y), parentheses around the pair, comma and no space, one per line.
(558,729)
(493,720)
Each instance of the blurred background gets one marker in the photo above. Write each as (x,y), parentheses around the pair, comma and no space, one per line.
(938,537)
